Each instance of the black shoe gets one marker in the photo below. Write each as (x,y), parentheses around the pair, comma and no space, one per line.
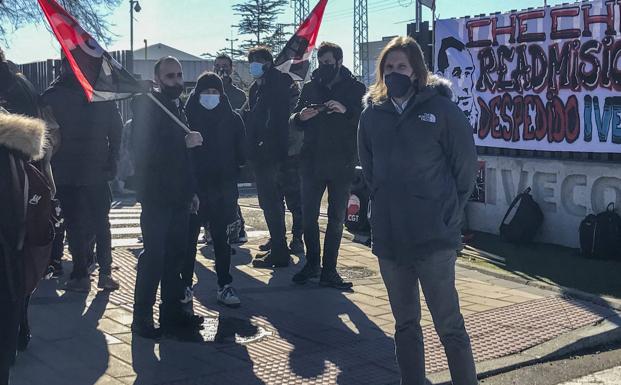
(296,246)
(57,269)
(270,260)
(331,278)
(146,329)
(307,272)
(241,238)
(181,320)
(23,339)
(267,246)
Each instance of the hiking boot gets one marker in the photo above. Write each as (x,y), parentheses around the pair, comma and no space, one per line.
(227,296)
(80,285)
(106,282)
(188,295)
(307,272)
(331,278)
(296,246)
(269,260)
(146,329)
(267,246)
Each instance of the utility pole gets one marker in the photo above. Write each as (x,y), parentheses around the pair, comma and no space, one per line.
(301,9)
(232,41)
(419,15)
(361,40)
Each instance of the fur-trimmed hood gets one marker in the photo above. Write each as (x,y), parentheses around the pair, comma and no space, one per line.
(436,85)
(23,134)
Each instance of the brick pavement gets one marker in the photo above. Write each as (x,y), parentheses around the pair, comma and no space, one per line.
(282,334)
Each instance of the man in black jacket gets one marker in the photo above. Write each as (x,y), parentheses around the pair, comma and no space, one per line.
(267,137)
(83,166)
(166,188)
(328,112)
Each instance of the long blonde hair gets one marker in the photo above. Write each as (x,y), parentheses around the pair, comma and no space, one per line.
(378,91)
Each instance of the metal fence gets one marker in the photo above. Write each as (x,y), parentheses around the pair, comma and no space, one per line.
(42,73)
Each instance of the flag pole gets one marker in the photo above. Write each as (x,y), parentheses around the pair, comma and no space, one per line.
(170,114)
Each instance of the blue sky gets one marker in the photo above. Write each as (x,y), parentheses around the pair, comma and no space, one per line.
(199,26)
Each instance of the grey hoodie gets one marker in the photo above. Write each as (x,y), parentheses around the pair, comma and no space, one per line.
(420,167)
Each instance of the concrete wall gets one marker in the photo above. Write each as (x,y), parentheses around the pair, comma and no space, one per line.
(566,191)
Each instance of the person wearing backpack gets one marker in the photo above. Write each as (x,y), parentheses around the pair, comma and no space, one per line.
(21,140)
(419,160)
(18,96)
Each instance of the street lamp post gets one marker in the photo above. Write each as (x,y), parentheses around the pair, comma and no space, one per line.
(134,5)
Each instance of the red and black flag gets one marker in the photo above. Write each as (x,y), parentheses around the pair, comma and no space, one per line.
(294,59)
(102,77)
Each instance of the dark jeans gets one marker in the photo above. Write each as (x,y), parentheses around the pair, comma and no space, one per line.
(242,223)
(270,200)
(86,211)
(436,274)
(290,185)
(338,196)
(218,207)
(165,237)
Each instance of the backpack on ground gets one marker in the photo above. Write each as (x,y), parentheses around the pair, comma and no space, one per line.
(600,235)
(523,219)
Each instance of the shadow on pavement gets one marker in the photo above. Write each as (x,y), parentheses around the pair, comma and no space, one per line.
(316,333)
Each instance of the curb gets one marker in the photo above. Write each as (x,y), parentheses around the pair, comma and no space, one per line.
(577,340)
(607,301)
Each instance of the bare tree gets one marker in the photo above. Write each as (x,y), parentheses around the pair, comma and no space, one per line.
(258,18)
(90,13)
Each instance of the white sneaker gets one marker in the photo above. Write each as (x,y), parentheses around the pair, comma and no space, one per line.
(228,297)
(189,294)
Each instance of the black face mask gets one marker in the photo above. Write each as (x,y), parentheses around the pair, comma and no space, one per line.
(398,84)
(325,73)
(172,92)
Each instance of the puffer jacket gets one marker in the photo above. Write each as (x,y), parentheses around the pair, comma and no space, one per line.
(23,138)
(420,167)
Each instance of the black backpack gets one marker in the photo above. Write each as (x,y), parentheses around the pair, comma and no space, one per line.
(525,219)
(600,235)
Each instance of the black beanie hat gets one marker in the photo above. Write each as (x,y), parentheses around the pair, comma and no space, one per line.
(209,80)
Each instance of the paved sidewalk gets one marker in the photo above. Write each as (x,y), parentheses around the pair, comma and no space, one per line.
(283,333)
(605,377)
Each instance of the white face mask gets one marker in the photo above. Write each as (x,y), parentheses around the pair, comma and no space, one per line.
(209,101)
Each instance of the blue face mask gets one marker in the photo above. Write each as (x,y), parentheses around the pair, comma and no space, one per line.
(256,70)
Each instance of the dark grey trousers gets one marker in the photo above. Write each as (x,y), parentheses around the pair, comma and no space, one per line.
(436,275)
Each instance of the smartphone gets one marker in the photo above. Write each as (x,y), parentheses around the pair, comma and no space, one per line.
(318,107)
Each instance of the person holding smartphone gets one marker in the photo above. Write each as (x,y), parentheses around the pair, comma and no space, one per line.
(327,112)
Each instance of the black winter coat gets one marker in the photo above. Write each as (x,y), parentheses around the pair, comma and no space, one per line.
(23,138)
(267,122)
(218,160)
(329,150)
(163,170)
(90,135)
